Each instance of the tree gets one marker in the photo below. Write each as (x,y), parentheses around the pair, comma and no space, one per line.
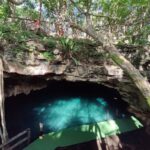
(3,130)
(107,43)
(116,15)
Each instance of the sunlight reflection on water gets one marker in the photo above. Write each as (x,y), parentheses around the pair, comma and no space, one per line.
(68,112)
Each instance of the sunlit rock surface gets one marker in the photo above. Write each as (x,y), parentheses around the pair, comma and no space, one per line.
(109,75)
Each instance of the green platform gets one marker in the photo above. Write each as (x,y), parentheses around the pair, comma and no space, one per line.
(84,133)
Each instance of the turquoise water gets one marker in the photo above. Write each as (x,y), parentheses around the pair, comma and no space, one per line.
(63,105)
(64,113)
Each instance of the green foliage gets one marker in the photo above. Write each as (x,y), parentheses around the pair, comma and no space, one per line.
(116,59)
(67,44)
(18,52)
(148,100)
(4,11)
(116,13)
(69,48)
(14,33)
(48,55)
(85,50)
(112,14)
(7,32)
(49,42)
(27,12)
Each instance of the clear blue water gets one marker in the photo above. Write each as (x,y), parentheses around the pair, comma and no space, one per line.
(63,105)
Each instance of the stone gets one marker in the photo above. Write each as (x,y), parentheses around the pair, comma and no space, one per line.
(30,60)
(56,51)
(113,71)
(35,45)
(58,58)
(107,74)
(40,57)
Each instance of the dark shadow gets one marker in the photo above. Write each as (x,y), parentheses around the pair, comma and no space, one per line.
(133,140)
(90,145)
(28,111)
(66,105)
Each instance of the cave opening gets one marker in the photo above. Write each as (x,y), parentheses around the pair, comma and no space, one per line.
(63,105)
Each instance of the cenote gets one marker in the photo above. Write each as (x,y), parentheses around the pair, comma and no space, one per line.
(63,105)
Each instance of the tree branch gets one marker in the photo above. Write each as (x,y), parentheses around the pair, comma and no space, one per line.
(27,19)
(17,2)
(89,30)
(85,30)
(80,10)
(103,16)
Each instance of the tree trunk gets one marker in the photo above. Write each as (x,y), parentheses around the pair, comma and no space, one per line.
(17,2)
(138,80)
(3,130)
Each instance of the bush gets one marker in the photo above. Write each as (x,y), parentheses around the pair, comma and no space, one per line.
(48,55)
(49,42)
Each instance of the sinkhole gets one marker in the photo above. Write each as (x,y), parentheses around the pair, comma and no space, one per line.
(63,105)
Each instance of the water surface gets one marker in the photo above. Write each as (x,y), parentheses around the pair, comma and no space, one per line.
(63,105)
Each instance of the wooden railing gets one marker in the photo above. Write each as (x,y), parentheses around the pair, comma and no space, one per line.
(20,140)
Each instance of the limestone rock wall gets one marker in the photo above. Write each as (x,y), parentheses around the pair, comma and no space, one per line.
(29,70)
(26,79)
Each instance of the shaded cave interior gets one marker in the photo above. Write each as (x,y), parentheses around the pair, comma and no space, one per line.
(62,104)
